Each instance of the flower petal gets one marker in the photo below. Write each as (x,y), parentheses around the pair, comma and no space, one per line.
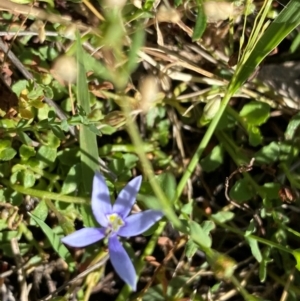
(127,196)
(84,237)
(121,262)
(101,205)
(138,223)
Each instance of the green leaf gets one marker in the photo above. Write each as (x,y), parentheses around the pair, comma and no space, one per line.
(190,249)
(263,264)
(4,143)
(7,154)
(117,166)
(54,240)
(7,236)
(149,201)
(208,226)
(40,211)
(69,156)
(200,25)
(8,123)
(87,216)
(292,127)
(130,160)
(26,152)
(185,227)
(203,236)
(254,248)
(50,140)
(209,111)
(187,208)
(271,190)
(255,136)
(72,179)
(223,216)
(268,154)
(67,225)
(35,91)
(106,129)
(213,160)
(255,112)
(5,170)
(3,224)
(148,5)
(57,131)
(6,249)
(168,184)
(27,178)
(241,191)
(287,152)
(19,86)
(46,155)
(25,138)
(94,130)
(91,64)
(296,254)
(15,198)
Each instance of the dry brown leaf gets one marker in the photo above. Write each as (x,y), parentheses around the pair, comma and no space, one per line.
(96,89)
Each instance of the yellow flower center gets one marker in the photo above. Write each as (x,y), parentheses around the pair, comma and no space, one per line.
(115,222)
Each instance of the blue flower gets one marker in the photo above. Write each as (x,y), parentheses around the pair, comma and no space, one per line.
(115,221)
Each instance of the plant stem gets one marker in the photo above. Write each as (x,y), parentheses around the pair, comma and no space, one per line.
(203,144)
(45,194)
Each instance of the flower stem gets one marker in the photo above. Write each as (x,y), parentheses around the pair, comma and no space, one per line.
(203,144)
(148,170)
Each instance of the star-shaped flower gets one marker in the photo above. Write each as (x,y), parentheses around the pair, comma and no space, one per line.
(115,221)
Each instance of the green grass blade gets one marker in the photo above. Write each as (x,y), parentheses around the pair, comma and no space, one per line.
(138,41)
(287,20)
(87,139)
(200,22)
(54,240)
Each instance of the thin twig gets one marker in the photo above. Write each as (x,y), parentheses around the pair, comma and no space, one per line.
(28,33)
(21,273)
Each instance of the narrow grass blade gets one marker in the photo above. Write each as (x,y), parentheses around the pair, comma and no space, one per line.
(200,22)
(138,40)
(287,20)
(87,139)
(53,239)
